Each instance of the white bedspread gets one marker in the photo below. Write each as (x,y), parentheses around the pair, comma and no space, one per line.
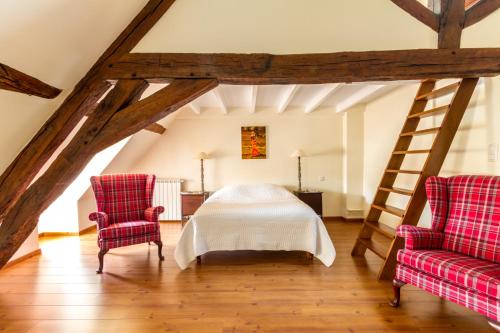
(254,217)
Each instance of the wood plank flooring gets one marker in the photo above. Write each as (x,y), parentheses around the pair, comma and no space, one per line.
(231,292)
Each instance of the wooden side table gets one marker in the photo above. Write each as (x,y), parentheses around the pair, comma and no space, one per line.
(313,199)
(190,202)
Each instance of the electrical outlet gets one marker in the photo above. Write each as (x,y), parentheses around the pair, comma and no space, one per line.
(492,152)
(322,178)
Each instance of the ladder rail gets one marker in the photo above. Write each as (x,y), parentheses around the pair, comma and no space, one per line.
(444,134)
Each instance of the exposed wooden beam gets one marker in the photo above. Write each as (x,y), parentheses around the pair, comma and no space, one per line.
(420,12)
(287,97)
(320,97)
(108,125)
(253,98)
(220,100)
(195,108)
(33,157)
(451,24)
(155,128)
(358,96)
(14,80)
(19,222)
(480,10)
(311,68)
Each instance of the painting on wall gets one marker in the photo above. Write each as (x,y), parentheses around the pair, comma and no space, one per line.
(253,142)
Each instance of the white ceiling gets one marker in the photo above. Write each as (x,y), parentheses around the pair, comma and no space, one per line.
(339,97)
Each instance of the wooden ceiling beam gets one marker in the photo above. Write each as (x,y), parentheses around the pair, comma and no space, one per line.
(156,128)
(479,11)
(451,24)
(310,68)
(21,172)
(14,80)
(114,120)
(420,12)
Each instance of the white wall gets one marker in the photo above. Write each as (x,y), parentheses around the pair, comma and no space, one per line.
(468,154)
(319,135)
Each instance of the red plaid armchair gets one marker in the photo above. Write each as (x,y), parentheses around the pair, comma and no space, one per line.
(125,215)
(458,258)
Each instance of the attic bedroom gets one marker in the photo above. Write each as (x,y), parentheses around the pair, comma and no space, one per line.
(249,166)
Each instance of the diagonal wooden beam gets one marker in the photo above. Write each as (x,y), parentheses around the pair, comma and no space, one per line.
(310,68)
(156,128)
(108,125)
(152,109)
(14,80)
(451,24)
(420,12)
(16,178)
(479,11)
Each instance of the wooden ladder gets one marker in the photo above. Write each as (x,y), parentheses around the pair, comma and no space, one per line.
(462,92)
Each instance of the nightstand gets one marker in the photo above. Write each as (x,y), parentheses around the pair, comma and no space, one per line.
(190,202)
(313,199)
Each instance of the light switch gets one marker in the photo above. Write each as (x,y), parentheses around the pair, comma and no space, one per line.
(492,152)
(322,178)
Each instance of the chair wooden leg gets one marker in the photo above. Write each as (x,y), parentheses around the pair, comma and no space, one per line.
(494,324)
(396,286)
(198,260)
(160,246)
(101,260)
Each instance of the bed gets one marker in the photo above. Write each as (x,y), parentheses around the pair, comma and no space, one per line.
(254,217)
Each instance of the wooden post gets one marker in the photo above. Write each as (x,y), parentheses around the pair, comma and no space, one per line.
(451,24)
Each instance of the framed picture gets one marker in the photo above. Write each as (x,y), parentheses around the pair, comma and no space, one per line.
(253,142)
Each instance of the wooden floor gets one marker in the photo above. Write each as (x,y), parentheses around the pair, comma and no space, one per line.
(231,292)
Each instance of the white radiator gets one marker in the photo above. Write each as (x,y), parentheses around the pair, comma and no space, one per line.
(168,194)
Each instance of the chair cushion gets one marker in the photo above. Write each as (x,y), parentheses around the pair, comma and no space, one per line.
(477,274)
(128,229)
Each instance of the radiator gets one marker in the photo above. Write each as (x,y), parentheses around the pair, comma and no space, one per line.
(168,194)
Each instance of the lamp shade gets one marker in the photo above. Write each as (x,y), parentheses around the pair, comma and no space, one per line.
(297,153)
(202,156)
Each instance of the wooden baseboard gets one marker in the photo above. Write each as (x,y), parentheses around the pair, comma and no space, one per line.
(22,258)
(91,229)
(87,230)
(341,219)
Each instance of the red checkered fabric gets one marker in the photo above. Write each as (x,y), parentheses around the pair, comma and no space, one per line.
(474,300)
(420,238)
(125,214)
(465,267)
(473,221)
(128,229)
(437,194)
(478,274)
(106,244)
(124,197)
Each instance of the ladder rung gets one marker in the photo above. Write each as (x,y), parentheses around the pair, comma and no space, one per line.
(419,151)
(439,92)
(381,229)
(430,112)
(376,248)
(422,132)
(410,172)
(396,190)
(390,209)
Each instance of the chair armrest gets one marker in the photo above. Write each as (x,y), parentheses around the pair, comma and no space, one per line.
(417,238)
(101,218)
(151,214)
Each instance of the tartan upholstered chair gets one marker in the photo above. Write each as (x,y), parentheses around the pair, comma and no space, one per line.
(125,215)
(459,257)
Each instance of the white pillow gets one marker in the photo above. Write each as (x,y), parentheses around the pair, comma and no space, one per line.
(251,193)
